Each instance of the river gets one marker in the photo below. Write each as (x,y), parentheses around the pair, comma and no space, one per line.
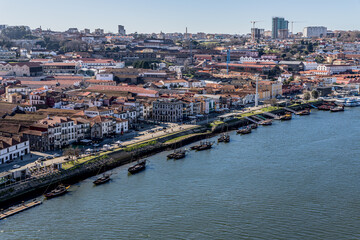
(293,180)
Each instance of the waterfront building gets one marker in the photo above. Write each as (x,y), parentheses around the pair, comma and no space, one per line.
(12,148)
(167,110)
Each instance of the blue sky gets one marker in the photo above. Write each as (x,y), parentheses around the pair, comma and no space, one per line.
(211,16)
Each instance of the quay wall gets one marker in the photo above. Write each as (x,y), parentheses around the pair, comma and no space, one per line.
(28,189)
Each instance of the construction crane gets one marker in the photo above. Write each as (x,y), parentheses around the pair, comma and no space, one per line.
(292,26)
(254,22)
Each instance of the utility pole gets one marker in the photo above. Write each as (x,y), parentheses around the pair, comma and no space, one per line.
(256,93)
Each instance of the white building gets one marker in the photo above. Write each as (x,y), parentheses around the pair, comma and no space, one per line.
(12,148)
(310,65)
(310,32)
(95,111)
(105,76)
(335,69)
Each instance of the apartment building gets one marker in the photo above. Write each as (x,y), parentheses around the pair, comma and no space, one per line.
(12,148)
(167,110)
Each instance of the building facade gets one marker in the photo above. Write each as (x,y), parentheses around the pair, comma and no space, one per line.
(278,23)
(167,110)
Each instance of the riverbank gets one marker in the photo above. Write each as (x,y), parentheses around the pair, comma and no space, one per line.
(85,168)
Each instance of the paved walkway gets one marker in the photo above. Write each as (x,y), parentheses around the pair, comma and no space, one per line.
(126,139)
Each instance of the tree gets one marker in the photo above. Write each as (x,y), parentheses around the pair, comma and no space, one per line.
(307,96)
(319,59)
(16,32)
(315,94)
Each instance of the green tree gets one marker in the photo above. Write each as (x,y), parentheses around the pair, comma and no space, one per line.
(307,96)
(315,94)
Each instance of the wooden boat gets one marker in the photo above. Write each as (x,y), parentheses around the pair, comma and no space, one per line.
(137,167)
(196,147)
(203,146)
(177,154)
(325,107)
(254,126)
(224,138)
(58,191)
(303,112)
(266,122)
(103,179)
(180,154)
(246,130)
(337,109)
(286,117)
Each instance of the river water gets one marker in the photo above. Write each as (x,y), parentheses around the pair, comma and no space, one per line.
(293,180)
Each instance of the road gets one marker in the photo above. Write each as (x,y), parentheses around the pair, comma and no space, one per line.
(148,132)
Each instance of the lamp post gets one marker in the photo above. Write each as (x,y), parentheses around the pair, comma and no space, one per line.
(256,93)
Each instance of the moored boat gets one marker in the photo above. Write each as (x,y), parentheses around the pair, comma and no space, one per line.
(103,179)
(325,107)
(58,191)
(224,138)
(246,130)
(303,112)
(286,117)
(137,167)
(337,109)
(177,154)
(351,102)
(254,126)
(203,146)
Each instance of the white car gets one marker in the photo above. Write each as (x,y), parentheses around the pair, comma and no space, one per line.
(16,166)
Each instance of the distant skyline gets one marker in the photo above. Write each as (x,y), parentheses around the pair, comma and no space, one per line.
(210,16)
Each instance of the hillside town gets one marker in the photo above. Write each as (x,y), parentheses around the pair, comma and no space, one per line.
(63,88)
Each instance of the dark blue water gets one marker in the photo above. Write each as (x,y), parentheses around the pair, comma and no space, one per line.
(292,180)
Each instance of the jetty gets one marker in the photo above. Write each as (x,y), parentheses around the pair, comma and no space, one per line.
(252,120)
(290,110)
(17,209)
(276,117)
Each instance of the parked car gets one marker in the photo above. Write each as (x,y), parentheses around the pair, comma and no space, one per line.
(49,157)
(56,155)
(41,159)
(16,166)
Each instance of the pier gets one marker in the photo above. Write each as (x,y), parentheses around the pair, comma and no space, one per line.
(276,117)
(290,110)
(252,120)
(15,210)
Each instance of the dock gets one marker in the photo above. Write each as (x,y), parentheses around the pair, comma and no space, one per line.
(290,110)
(251,120)
(276,117)
(15,210)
